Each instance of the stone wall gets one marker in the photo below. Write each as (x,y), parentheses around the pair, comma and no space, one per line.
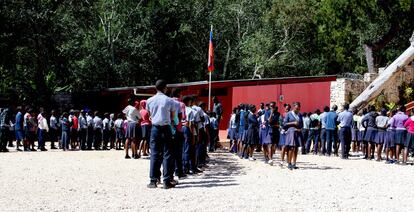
(344,90)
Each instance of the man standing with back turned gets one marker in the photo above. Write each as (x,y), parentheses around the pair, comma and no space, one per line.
(161,109)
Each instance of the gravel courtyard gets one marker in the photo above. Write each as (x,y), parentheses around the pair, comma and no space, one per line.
(104,181)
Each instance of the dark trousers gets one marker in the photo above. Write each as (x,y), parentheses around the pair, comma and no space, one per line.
(323,141)
(188,150)
(345,137)
(53,135)
(90,137)
(329,140)
(178,153)
(4,137)
(97,139)
(213,140)
(161,146)
(335,142)
(313,135)
(202,147)
(305,135)
(106,137)
(82,138)
(41,138)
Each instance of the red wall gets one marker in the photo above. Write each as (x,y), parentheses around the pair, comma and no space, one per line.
(311,95)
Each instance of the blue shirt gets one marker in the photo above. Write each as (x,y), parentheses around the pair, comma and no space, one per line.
(330,120)
(345,119)
(160,108)
(19,121)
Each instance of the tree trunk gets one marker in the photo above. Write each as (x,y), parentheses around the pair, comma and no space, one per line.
(226,62)
(381,82)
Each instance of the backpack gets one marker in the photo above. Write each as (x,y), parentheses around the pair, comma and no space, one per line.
(314,123)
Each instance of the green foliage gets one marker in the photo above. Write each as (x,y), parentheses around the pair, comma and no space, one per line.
(49,46)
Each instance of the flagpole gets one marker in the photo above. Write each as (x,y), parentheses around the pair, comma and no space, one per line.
(209,84)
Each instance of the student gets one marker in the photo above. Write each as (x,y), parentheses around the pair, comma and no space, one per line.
(390,139)
(82,130)
(18,128)
(293,123)
(54,129)
(330,120)
(43,129)
(371,130)
(90,132)
(214,126)
(336,133)
(233,131)
(400,132)
(178,138)
(132,116)
(323,129)
(203,134)
(161,109)
(119,131)
(283,135)
(145,128)
(65,131)
(361,136)
(31,129)
(314,132)
(73,119)
(252,133)
(409,144)
(106,131)
(264,135)
(112,131)
(242,128)
(189,162)
(345,119)
(355,131)
(382,124)
(305,131)
(5,119)
(274,122)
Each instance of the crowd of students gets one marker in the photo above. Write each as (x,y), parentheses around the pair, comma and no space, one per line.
(368,132)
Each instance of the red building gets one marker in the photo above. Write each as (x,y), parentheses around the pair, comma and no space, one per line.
(312,92)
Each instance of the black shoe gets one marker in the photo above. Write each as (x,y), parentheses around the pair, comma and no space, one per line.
(33,149)
(127,157)
(168,185)
(136,156)
(152,185)
(197,171)
(290,167)
(182,176)
(19,150)
(53,147)
(174,182)
(5,150)
(43,149)
(191,172)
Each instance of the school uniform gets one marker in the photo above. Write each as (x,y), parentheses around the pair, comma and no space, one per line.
(160,108)
(355,131)
(214,126)
(189,146)
(361,129)
(252,131)
(90,133)
(293,133)
(274,130)
(305,133)
(233,128)
(18,127)
(390,139)
(119,132)
(400,131)
(132,116)
(43,128)
(82,132)
(323,132)
(97,132)
(330,120)
(371,128)
(381,136)
(264,132)
(242,126)
(409,125)
(5,119)
(105,132)
(178,137)
(314,133)
(345,119)
(53,131)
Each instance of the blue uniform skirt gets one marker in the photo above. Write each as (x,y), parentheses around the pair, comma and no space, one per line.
(409,141)
(370,135)
(131,131)
(274,135)
(390,141)
(381,137)
(354,135)
(242,134)
(252,136)
(293,138)
(361,136)
(400,137)
(265,137)
(232,134)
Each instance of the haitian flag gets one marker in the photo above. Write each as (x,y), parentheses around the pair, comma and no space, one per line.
(211,52)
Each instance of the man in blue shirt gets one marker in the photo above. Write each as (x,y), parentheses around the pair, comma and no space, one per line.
(18,128)
(161,109)
(330,120)
(345,119)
